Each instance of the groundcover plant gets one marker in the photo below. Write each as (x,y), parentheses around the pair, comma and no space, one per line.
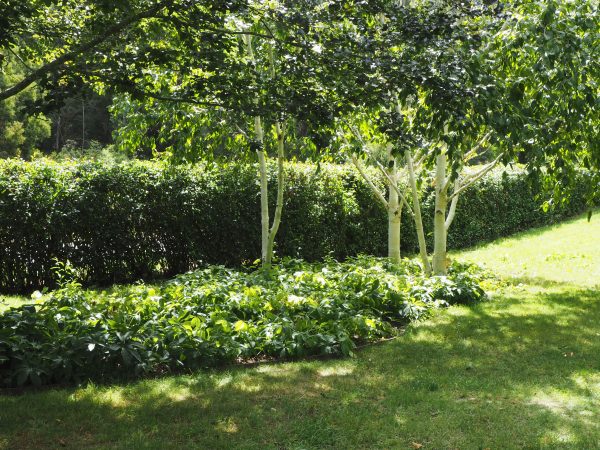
(218,315)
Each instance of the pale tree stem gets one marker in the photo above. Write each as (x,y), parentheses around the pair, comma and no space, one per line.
(453,204)
(394,214)
(439,221)
(373,188)
(420,161)
(280,189)
(393,207)
(417,213)
(264,192)
(262,167)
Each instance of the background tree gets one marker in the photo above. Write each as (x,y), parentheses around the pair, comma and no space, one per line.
(82,120)
(255,79)
(20,133)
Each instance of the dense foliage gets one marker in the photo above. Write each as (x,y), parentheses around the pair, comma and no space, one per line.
(120,223)
(20,133)
(546,56)
(220,315)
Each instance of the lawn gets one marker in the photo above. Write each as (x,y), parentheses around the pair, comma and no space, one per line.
(8,301)
(520,371)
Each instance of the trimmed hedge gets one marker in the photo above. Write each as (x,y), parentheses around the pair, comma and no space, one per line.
(135,220)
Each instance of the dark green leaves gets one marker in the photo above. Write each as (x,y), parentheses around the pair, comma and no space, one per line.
(217,315)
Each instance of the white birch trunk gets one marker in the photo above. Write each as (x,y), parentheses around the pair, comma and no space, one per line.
(417,214)
(280,187)
(264,192)
(394,222)
(394,208)
(439,220)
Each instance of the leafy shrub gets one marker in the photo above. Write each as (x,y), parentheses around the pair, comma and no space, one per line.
(124,222)
(217,315)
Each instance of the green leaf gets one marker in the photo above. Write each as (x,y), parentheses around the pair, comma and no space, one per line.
(240,325)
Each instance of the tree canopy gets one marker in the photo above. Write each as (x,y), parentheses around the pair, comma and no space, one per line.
(522,73)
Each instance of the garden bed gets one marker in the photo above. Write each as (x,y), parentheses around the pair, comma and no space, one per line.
(218,315)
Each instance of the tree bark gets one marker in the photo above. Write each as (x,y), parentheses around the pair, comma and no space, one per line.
(394,209)
(439,221)
(280,188)
(417,214)
(264,192)
(394,223)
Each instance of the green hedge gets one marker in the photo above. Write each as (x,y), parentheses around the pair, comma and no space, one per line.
(136,220)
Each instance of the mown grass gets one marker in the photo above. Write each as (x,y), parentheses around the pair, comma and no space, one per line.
(521,371)
(567,253)
(7,301)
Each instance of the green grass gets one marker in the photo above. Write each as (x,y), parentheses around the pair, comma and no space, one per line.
(12,301)
(567,253)
(522,371)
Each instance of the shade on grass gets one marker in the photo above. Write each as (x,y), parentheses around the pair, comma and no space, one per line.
(521,371)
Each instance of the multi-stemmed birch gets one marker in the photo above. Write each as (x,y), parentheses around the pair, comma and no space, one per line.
(446,202)
(393,204)
(393,175)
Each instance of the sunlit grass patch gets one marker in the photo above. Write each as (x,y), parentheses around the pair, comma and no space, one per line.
(566,252)
(13,301)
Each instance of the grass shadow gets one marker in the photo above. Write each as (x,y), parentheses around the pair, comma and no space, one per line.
(467,378)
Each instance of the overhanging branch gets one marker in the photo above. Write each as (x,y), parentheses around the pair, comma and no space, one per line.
(81,49)
(175,99)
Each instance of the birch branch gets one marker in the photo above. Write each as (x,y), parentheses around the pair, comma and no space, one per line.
(453,204)
(394,185)
(471,153)
(417,163)
(477,176)
(376,191)
(280,182)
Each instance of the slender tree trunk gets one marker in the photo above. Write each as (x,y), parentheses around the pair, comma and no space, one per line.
(266,250)
(394,222)
(264,192)
(280,188)
(439,221)
(394,208)
(417,214)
